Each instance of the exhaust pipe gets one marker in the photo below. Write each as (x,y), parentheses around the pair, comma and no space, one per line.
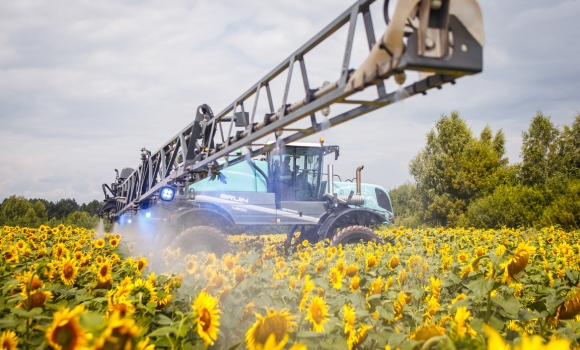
(330,179)
(358,170)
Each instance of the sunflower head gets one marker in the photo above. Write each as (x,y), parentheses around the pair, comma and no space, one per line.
(104,270)
(8,340)
(270,332)
(206,316)
(141,264)
(65,332)
(114,242)
(349,318)
(371,262)
(394,262)
(120,333)
(239,274)
(355,284)
(99,243)
(335,278)
(518,262)
(317,313)
(191,266)
(68,271)
(229,261)
(351,270)
(427,331)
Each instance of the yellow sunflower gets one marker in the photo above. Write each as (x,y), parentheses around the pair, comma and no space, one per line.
(270,332)
(462,326)
(371,262)
(104,270)
(144,345)
(239,274)
(394,262)
(191,266)
(114,242)
(119,304)
(517,263)
(351,271)
(355,284)
(206,317)
(427,331)
(229,261)
(65,332)
(349,318)
(376,286)
(141,264)
(68,271)
(10,255)
(570,308)
(120,333)
(8,340)
(99,243)
(144,291)
(335,278)
(317,313)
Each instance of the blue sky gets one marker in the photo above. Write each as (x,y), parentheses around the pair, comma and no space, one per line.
(85,84)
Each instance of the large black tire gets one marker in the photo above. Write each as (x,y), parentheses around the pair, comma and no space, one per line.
(207,239)
(355,234)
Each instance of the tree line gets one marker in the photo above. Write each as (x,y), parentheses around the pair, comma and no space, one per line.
(19,211)
(465,180)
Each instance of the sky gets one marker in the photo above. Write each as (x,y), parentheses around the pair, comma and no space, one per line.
(84,85)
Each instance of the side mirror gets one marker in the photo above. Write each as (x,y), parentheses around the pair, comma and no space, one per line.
(336,154)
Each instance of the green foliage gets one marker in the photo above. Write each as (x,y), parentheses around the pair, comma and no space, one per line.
(565,209)
(508,205)
(466,181)
(454,168)
(82,219)
(406,205)
(19,211)
(541,157)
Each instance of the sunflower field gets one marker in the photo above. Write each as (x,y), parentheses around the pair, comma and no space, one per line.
(67,288)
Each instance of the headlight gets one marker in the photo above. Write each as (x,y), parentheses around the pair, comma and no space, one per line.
(167,193)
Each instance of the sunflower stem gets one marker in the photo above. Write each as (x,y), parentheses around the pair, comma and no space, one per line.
(488,311)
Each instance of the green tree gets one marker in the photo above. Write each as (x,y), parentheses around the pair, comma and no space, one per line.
(455,167)
(82,219)
(92,207)
(29,219)
(40,211)
(570,148)
(564,211)
(406,205)
(13,209)
(64,207)
(540,153)
(507,205)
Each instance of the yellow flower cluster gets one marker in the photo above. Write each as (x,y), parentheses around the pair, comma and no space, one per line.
(509,288)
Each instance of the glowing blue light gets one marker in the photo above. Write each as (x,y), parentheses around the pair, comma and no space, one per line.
(148,214)
(166,193)
(129,221)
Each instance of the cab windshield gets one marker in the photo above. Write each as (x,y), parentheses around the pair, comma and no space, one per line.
(296,173)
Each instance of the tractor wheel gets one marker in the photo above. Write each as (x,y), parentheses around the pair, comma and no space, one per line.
(355,234)
(207,239)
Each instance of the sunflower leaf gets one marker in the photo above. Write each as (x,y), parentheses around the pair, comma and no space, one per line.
(480,287)
(21,312)
(163,331)
(162,320)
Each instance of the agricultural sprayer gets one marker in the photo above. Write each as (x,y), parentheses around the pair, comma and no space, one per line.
(227,171)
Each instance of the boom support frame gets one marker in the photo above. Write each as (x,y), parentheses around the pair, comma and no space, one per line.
(192,154)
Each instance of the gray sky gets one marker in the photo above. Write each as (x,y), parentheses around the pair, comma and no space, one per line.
(85,84)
